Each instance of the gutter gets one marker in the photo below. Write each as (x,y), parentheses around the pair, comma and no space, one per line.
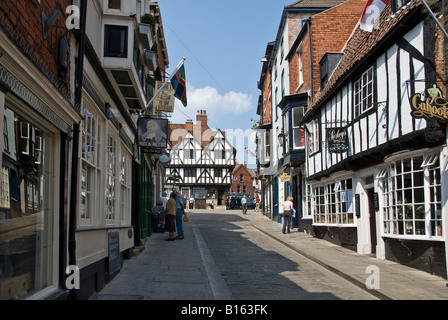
(74,293)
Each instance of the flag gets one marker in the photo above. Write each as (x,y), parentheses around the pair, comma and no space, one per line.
(179,85)
(371,12)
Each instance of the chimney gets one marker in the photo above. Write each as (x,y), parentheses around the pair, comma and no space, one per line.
(202,118)
(189,125)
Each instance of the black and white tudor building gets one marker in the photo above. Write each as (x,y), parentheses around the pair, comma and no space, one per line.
(202,170)
(377,157)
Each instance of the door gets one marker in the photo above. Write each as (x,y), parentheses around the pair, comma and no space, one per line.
(372,219)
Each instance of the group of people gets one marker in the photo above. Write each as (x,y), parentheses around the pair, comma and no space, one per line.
(174,215)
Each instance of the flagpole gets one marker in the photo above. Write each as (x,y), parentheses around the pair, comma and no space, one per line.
(169,79)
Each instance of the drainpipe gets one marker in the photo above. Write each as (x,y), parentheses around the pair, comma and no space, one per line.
(75,151)
(308,23)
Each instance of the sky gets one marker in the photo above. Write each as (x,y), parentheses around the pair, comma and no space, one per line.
(223,42)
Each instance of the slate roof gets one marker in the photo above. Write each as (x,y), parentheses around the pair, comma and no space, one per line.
(358,47)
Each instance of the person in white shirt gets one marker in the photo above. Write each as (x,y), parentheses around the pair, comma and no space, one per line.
(244,204)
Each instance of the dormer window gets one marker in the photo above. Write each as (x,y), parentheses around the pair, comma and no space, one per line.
(396,5)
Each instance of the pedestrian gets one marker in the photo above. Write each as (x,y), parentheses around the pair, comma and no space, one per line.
(244,204)
(287,213)
(212,205)
(191,202)
(180,212)
(170,216)
(164,199)
(257,204)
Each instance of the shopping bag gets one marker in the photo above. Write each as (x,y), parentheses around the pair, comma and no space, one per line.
(185,218)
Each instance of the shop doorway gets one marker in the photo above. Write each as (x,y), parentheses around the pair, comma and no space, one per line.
(372,219)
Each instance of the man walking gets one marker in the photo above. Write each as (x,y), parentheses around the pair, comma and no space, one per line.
(244,204)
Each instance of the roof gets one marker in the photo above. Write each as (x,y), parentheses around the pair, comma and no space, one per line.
(358,47)
(302,4)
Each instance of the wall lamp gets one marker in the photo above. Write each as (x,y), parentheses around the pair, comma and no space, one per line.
(47,22)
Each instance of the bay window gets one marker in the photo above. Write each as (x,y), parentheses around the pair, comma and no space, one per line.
(412,204)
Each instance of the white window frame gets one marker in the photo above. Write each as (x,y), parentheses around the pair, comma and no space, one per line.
(112,178)
(363,89)
(298,132)
(412,208)
(313,136)
(91,188)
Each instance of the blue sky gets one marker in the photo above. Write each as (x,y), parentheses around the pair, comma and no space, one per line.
(223,42)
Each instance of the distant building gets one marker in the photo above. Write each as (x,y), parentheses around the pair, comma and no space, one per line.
(243,180)
(202,161)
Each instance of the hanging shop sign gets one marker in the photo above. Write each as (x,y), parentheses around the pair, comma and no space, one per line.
(434,106)
(284,177)
(337,140)
(152,133)
(164,102)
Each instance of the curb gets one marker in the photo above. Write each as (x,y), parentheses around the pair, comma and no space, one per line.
(343,275)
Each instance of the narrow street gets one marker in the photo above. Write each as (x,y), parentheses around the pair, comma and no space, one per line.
(224,257)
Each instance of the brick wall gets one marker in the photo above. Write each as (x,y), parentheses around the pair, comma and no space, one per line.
(329,33)
(21,20)
(239,170)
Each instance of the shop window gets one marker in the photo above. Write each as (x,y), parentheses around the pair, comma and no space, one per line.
(408,209)
(26,213)
(333,203)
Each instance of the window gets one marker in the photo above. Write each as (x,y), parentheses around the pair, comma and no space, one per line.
(27,215)
(115,41)
(300,55)
(220,154)
(267,146)
(238,189)
(398,4)
(363,92)
(5,135)
(125,183)
(286,130)
(241,177)
(244,189)
(297,132)
(412,200)
(283,83)
(332,204)
(111,178)
(190,173)
(90,170)
(313,136)
(218,173)
(189,154)
(323,72)
(114,4)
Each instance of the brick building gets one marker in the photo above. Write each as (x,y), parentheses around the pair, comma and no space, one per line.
(242,180)
(38,112)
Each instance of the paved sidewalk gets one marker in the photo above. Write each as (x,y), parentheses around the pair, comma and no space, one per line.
(197,278)
(397,282)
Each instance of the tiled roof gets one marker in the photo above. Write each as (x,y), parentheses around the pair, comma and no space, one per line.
(358,47)
(314,4)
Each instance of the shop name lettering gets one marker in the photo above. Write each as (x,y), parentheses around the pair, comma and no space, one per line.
(430,108)
(337,139)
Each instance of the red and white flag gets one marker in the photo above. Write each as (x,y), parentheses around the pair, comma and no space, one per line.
(371,12)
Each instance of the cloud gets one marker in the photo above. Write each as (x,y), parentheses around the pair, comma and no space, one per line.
(217,105)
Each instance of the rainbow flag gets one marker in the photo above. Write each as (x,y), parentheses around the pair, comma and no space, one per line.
(180,86)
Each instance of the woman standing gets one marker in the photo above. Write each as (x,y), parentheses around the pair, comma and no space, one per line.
(170,217)
(287,208)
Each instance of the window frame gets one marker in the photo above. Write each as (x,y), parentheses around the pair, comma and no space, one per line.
(363,93)
(107,41)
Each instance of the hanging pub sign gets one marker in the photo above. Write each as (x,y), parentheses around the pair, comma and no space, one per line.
(434,106)
(337,140)
(152,133)
(164,102)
